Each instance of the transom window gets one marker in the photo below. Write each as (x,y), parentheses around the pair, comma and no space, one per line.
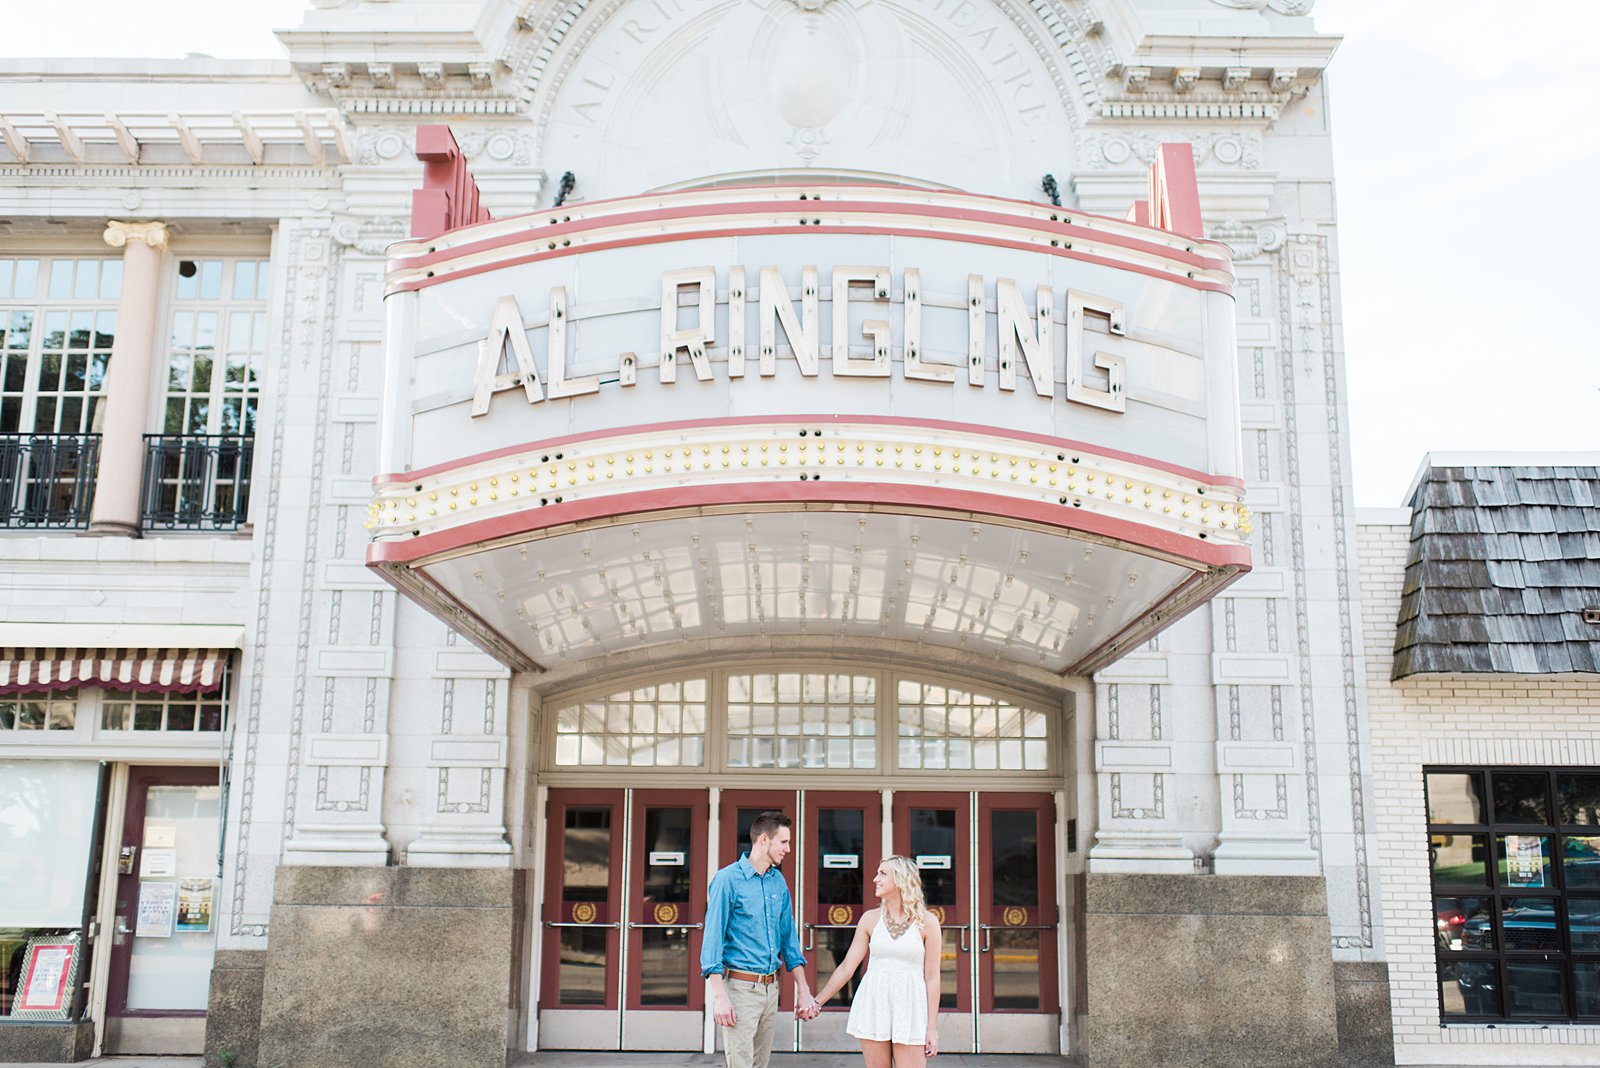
(661,726)
(846,721)
(944,727)
(1514,854)
(786,719)
(183,712)
(39,712)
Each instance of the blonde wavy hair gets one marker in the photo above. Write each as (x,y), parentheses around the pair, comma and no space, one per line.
(908,881)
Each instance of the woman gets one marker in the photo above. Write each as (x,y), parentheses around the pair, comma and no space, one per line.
(896,1009)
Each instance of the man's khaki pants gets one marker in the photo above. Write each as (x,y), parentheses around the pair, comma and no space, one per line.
(748,1043)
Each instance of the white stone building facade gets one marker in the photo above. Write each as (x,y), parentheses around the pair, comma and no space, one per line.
(385,788)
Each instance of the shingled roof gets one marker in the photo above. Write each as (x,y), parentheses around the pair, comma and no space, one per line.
(1504,560)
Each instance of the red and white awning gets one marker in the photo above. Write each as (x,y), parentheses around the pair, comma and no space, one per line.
(34,670)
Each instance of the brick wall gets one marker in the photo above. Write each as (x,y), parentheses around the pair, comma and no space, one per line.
(1465,719)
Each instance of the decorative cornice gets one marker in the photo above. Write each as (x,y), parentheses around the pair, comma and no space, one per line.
(197,138)
(153,234)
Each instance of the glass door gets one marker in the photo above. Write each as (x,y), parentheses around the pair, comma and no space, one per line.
(163,941)
(580,983)
(739,809)
(935,831)
(665,920)
(1018,1011)
(840,849)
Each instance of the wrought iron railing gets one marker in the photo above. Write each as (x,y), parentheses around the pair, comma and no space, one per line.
(47,480)
(196,481)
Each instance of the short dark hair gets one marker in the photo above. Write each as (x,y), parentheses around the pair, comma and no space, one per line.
(768,823)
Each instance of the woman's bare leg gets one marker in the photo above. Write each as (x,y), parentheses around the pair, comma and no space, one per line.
(876,1054)
(909,1056)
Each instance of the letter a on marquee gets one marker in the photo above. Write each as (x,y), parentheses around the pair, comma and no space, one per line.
(505,326)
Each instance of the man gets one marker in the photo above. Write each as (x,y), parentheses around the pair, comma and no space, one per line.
(749,936)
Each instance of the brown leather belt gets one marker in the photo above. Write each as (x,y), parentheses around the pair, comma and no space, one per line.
(750,977)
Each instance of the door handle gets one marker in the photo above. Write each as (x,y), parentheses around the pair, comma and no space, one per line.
(811,942)
(558,923)
(963,940)
(664,926)
(987,927)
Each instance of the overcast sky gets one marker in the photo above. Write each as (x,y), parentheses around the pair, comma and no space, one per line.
(1466,151)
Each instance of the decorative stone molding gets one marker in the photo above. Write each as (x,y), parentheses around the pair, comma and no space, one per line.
(1282,7)
(154,234)
(1239,149)
(1135,79)
(1185,78)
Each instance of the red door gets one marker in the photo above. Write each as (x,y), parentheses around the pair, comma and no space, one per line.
(579,984)
(839,852)
(934,830)
(164,939)
(667,903)
(1016,907)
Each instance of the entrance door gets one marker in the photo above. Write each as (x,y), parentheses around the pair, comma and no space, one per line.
(625,895)
(1018,1011)
(739,809)
(935,831)
(163,941)
(840,847)
(665,918)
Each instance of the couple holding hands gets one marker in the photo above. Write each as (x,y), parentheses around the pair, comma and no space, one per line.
(750,936)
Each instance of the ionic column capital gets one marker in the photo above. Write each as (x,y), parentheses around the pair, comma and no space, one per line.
(153,234)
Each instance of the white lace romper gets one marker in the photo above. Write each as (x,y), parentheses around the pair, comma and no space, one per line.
(891,1004)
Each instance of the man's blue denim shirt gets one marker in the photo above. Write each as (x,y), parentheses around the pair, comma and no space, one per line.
(749,922)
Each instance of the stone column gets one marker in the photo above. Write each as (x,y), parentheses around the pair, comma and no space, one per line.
(121,473)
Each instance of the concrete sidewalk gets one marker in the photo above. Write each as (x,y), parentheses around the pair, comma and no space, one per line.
(779,1060)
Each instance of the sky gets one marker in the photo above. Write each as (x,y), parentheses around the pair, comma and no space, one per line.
(1465,150)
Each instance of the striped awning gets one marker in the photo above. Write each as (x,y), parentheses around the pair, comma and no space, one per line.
(36,670)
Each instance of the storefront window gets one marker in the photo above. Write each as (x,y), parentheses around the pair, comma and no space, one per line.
(47,822)
(1515,875)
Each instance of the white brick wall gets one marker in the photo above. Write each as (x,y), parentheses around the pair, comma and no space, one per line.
(1466,719)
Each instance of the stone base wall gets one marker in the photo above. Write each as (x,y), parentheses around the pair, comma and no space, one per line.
(45,1042)
(1366,1031)
(403,967)
(233,1012)
(1207,971)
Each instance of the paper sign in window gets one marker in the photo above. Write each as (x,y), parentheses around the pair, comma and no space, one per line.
(156,902)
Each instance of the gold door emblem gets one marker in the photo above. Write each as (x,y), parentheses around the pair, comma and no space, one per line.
(666,913)
(1015,917)
(938,913)
(583,912)
(839,914)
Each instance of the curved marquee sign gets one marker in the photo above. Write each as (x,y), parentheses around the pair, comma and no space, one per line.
(884,413)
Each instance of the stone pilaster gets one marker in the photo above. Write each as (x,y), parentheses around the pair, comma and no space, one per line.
(129,378)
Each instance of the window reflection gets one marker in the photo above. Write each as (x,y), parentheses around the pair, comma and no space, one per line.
(1463,923)
(1534,988)
(1469,988)
(1529,923)
(1455,797)
(1458,858)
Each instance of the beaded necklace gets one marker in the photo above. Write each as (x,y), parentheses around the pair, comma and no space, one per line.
(896,929)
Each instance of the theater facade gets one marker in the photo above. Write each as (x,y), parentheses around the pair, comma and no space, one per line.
(460,473)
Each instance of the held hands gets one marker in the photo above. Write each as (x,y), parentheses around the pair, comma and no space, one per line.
(807,1008)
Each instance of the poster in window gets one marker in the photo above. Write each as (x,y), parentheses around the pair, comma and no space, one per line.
(1524,860)
(158,863)
(45,985)
(194,904)
(156,901)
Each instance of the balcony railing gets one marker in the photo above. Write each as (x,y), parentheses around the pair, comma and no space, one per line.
(196,481)
(47,480)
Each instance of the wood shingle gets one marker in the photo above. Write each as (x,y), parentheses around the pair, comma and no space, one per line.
(1503,562)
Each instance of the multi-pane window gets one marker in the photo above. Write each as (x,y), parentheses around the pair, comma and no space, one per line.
(58,317)
(797,719)
(1514,854)
(791,719)
(172,712)
(661,725)
(39,712)
(949,728)
(215,346)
